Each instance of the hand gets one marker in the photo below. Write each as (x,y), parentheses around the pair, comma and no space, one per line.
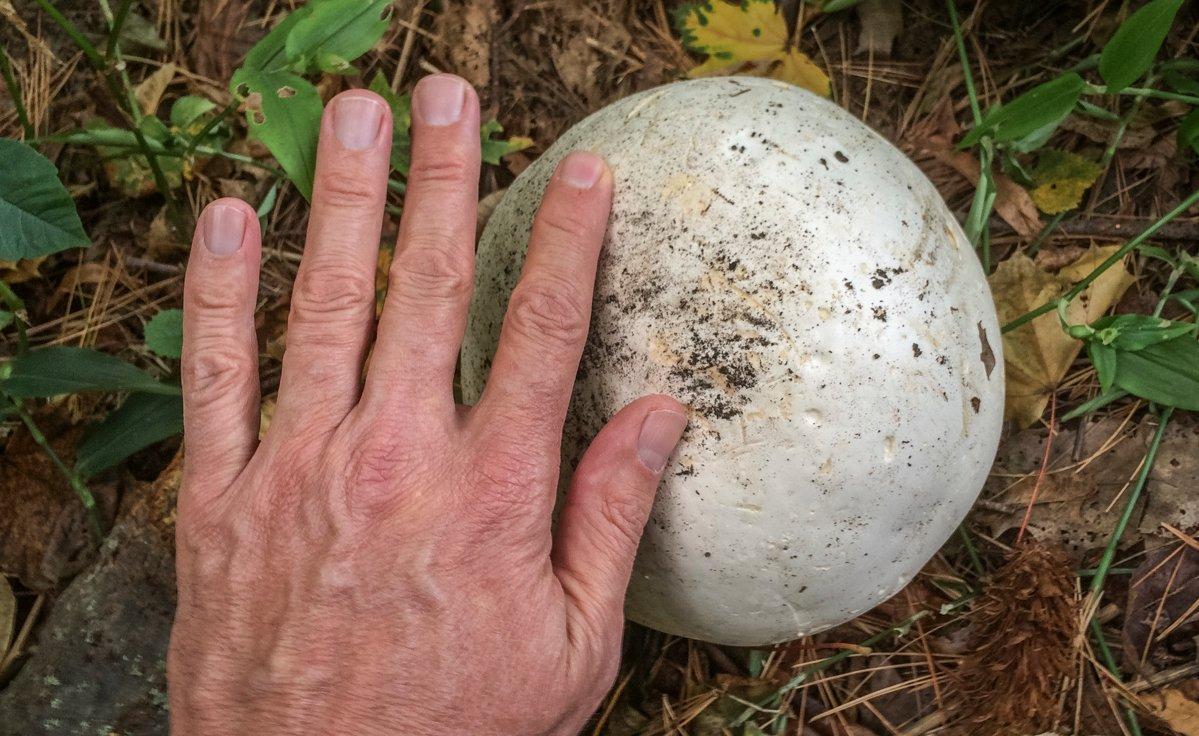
(383,561)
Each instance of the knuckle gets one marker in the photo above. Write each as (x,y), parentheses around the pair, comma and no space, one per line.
(215,369)
(447,170)
(548,312)
(426,271)
(213,299)
(334,294)
(563,224)
(345,189)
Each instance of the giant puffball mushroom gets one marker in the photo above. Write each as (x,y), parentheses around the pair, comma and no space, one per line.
(795,280)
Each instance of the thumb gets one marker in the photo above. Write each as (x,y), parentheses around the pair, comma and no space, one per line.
(608,504)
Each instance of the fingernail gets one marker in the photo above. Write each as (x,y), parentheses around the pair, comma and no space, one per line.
(224,229)
(581,169)
(438,99)
(660,432)
(356,121)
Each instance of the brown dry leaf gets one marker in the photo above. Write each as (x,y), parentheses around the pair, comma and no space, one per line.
(1180,712)
(1078,503)
(882,22)
(1037,355)
(1159,617)
(149,93)
(1012,201)
(464,39)
(8,615)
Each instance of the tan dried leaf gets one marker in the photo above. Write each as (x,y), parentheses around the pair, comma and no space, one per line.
(1178,711)
(149,93)
(1038,354)
(882,22)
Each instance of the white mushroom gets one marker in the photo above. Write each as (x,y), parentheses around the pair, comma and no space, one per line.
(798,283)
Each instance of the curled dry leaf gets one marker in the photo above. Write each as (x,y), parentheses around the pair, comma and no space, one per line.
(1079,498)
(149,93)
(1038,354)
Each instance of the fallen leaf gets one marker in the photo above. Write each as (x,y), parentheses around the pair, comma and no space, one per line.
(464,39)
(882,22)
(149,93)
(1038,354)
(1180,712)
(8,615)
(1162,595)
(1012,201)
(1078,503)
(1060,179)
(749,38)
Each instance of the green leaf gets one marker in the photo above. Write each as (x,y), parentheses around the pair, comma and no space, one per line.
(401,119)
(269,54)
(164,333)
(341,29)
(1131,50)
(494,150)
(37,215)
(1180,82)
(1103,357)
(140,422)
(6,318)
(1188,131)
(1166,373)
(284,112)
(60,370)
(1035,113)
(1133,332)
(189,109)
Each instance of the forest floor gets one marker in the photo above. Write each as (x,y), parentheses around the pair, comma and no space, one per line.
(1068,602)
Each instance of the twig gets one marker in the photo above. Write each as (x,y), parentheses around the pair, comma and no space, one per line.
(91,512)
(1036,489)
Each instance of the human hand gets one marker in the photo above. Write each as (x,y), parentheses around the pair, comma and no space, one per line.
(383,561)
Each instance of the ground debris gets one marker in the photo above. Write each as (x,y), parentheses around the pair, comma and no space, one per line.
(1022,645)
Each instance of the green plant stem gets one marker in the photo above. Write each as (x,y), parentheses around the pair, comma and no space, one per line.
(14,91)
(1114,258)
(91,512)
(1042,236)
(93,56)
(967,75)
(1109,661)
(1109,552)
(971,551)
(210,126)
(15,305)
(114,29)
(1160,94)
(1094,404)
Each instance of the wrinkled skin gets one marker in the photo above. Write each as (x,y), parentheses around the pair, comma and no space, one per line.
(383,561)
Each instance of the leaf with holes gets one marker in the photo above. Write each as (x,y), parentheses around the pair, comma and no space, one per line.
(37,215)
(1035,113)
(56,371)
(284,112)
(140,422)
(1131,50)
(335,32)
(164,333)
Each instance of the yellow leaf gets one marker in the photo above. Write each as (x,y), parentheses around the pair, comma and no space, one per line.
(1038,354)
(748,38)
(149,93)
(1060,180)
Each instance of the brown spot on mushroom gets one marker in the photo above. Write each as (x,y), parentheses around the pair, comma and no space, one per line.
(987,356)
(975,403)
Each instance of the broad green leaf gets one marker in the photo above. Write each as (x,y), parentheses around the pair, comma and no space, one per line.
(1133,332)
(401,119)
(37,215)
(61,370)
(284,112)
(164,333)
(1131,50)
(494,150)
(1188,131)
(1166,373)
(140,422)
(335,29)
(1042,107)
(269,54)
(1180,82)
(189,109)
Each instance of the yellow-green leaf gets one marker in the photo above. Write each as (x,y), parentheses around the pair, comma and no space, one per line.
(1060,180)
(746,38)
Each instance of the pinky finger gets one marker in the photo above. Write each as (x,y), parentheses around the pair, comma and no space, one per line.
(220,348)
